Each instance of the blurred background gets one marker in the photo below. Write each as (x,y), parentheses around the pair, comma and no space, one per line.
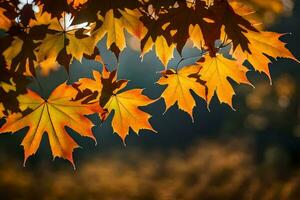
(250,153)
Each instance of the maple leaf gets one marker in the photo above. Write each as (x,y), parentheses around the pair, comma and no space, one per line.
(12,51)
(235,25)
(133,25)
(63,45)
(203,27)
(114,27)
(196,36)
(127,113)
(18,51)
(247,12)
(262,44)
(158,36)
(113,18)
(265,11)
(125,105)
(179,87)
(51,116)
(216,71)
(163,51)
(100,88)
(18,45)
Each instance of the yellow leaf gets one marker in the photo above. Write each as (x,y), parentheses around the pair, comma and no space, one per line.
(196,36)
(131,22)
(105,84)
(127,113)
(163,51)
(114,29)
(124,104)
(248,12)
(147,48)
(41,18)
(91,84)
(78,47)
(47,53)
(51,116)
(179,87)
(262,43)
(13,50)
(216,71)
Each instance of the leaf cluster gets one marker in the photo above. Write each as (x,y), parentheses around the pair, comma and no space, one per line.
(43,35)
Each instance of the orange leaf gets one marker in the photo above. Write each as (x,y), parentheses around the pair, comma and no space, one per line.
(127,113)
(51,116)
(262,44)
(163,51)
(216,71)
(179,87)
(62,46)
(124,104)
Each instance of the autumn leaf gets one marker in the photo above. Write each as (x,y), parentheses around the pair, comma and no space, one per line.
(19,55)
(246,11)
(125,105)
(10,53)
(216,71)
(196,36)
(264,11)
(63,45)
(133,25)
(234,25)
(99,89)
(114,27)
(127,113)
(179,87)
(262,44)
(163,50)
(19,46)
(51,116)
(115,31)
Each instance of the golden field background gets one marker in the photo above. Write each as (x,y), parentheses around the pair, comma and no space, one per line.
(209,170)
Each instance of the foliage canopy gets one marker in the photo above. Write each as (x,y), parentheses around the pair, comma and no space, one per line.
(43,35)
